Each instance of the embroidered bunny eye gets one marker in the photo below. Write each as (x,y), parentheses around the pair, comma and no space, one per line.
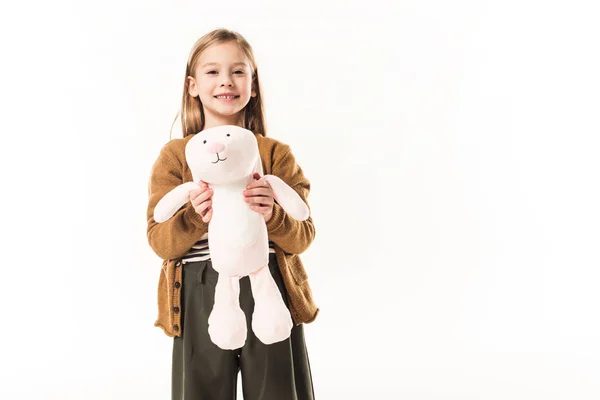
(205,142)
(228,134)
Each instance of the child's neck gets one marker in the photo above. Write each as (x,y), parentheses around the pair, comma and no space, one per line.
(212,121)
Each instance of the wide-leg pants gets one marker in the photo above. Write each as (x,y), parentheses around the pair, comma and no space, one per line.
(203,371)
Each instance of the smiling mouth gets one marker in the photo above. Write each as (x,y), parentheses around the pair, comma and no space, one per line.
(219,159)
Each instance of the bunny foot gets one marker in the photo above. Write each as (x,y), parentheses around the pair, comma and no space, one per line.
(227,327)
(271,321)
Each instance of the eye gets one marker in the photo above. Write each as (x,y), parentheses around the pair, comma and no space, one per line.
(210,72)
(205,142)
(240,71)
(228,134)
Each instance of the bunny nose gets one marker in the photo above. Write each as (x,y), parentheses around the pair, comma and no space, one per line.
(215,147)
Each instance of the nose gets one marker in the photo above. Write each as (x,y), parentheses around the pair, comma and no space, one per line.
(215,147)
(227,81)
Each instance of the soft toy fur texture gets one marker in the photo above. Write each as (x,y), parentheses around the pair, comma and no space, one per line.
(226,157)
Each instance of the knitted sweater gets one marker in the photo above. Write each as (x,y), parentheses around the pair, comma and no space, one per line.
(172,239)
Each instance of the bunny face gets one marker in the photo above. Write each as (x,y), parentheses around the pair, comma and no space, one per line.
(222,154)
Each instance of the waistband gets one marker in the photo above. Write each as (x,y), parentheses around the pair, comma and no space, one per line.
(204,270)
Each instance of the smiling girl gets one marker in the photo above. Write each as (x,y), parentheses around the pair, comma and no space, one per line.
(222,87)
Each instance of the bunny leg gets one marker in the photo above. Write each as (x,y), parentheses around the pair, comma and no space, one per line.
(271,320)
(227,322)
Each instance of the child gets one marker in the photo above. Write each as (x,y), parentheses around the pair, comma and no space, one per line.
(222,88)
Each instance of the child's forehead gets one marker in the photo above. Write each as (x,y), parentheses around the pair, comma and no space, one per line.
(223,54)
(217,64)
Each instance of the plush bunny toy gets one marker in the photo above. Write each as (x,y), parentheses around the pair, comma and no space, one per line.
(226,157)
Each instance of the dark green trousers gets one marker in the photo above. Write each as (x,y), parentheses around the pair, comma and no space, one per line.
(203,371)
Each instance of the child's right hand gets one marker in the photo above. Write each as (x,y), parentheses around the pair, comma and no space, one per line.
(202,201)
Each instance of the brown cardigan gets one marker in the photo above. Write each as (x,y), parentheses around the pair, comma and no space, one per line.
(172,239)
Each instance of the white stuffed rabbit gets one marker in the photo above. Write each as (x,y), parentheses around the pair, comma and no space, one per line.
(226,157)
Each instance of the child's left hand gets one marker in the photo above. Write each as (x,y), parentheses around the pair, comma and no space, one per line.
(260,196)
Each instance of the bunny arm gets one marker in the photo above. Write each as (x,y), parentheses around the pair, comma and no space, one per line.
(288,198)
(173,201)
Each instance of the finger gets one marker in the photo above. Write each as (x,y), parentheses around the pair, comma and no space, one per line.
(208,215)
(259,183)
(260,191)
(196,192)
(259,200)
(261,203)
(203,207)
(202,197)
(261,209)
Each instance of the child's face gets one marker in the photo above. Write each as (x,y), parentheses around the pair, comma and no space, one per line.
(222,68)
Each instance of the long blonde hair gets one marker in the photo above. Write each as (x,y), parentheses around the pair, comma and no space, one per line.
(192,111)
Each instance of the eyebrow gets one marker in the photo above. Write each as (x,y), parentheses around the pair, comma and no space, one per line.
(236,63)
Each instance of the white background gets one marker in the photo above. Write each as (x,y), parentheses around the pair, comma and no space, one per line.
(452,149)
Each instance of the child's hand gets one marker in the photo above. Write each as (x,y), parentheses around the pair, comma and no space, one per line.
(202,201)
(260,196)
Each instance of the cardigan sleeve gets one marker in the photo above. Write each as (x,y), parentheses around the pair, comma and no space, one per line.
(172,238)
(292,236)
